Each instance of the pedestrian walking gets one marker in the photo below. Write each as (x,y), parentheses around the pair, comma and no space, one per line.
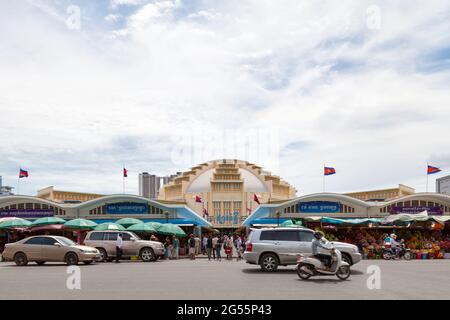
(198,243)
(119,244)
(168,247)
(204,241)
(175,247)
(214,243)
(238,246)
(219,248)
(209,247)
(191,246)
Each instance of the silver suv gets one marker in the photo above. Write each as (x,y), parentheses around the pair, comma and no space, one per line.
(105,242)
(271,247)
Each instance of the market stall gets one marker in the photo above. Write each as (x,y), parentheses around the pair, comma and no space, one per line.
(427,237)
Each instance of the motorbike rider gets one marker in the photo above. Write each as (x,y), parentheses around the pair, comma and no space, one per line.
(395,245)
(318,242)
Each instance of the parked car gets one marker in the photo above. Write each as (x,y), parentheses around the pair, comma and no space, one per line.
(271,247)
(41,249)
(105,242)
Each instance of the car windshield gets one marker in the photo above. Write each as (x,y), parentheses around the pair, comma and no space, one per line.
(65,241)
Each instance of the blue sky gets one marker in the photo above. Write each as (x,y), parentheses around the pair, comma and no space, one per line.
(164,85)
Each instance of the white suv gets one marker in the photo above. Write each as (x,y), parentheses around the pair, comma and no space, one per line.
(105,242)
(271,247)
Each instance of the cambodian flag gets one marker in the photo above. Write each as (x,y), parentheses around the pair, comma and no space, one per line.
(255,198)
(23,174)
(198,199)
(329,171)
(125,173)
(431,169)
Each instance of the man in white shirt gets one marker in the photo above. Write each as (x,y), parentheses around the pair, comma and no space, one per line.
(119,244)
(204,243)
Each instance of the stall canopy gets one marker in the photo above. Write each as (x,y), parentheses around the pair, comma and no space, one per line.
(343,221)
(423,216)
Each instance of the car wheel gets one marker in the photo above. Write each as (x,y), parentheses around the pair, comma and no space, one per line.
(147,255)
(269,262)
(87,262)
(71,258)
(346,258)
(20,259)
(103,254)
(40,263)
(343,272)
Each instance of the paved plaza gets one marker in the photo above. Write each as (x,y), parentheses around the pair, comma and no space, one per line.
(203,279)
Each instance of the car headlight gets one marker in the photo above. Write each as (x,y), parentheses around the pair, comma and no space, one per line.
(88,251)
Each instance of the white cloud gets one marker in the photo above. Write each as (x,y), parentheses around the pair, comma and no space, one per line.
(361,100)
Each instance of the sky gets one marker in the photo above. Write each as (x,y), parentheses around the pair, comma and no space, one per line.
(87,87)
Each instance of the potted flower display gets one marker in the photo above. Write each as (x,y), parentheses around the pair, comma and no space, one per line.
(445,246)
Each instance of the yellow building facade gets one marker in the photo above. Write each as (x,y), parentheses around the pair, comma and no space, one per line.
(382,194)
(227,188)
(51,194)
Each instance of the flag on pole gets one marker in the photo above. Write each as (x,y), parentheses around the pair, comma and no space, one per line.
(255,198)
(23,174)
(125,173)
(431,169)
(205,213)
(328,171)
(198,199)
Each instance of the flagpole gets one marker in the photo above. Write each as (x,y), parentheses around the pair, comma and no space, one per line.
(123,178)
(427,177)
(323,178)
(18,182)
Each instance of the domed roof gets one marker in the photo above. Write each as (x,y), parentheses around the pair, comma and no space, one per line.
(202,183)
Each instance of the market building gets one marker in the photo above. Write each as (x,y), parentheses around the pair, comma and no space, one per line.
(51,194)
(224,190)
(382,194)
(104,209)
(343,206)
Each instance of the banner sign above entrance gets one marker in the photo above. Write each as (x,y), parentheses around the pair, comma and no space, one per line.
(27,213)
(319,207)
(127,208)
(412,210)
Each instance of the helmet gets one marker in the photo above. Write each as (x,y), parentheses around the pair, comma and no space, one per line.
(393,236)
(318,235)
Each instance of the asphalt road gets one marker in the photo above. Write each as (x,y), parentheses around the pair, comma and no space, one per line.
(202,279)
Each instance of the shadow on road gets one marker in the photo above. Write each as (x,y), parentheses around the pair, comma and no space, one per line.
(284,271)
(322,280)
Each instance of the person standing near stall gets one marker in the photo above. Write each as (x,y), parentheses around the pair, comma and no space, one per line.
(119,244)
(176,247)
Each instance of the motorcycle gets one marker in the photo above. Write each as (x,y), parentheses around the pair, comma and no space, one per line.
(308,266)
(389,254)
